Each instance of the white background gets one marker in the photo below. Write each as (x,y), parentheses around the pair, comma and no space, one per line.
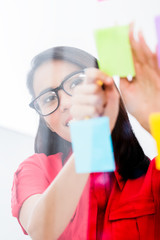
(30,26)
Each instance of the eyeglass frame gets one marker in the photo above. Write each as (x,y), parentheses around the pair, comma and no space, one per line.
(56,90)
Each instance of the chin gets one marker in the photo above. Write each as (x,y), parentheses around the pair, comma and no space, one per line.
(68,139)
(67,136)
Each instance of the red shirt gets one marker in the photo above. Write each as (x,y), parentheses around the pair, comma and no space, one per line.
(109,208)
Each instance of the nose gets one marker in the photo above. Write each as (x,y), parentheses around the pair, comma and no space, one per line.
(65,101)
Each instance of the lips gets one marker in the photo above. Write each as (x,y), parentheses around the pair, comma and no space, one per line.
(67,122)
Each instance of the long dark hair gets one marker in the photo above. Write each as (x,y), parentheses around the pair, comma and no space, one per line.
(129,156)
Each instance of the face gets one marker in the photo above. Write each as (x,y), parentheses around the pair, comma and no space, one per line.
(50,75)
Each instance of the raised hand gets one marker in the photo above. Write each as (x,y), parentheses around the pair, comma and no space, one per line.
(90,100)
(142,95)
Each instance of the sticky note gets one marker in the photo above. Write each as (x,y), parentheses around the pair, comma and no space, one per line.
(92,145)
(155,131)
(157,22)
(114,51)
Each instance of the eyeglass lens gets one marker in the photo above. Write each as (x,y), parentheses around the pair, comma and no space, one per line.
(49,101)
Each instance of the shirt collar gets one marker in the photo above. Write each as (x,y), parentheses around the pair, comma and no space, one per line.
(119,179)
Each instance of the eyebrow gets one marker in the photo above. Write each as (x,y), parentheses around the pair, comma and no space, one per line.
(45,91)
(51,89)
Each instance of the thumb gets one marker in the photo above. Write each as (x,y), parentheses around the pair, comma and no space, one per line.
(124,84)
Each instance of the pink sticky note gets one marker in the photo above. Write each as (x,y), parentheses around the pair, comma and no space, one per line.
(157,22)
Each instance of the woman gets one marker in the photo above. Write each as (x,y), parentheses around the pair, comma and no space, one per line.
(52,201)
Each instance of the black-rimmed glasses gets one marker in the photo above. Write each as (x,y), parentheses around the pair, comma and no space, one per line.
(48,101)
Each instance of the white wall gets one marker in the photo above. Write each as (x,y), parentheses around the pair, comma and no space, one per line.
(28,27)
(14,148)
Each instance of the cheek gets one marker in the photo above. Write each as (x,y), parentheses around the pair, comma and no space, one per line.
(52,122)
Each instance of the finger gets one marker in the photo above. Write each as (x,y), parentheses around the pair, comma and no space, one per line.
(132,40)
(124,84)
(110,93)
(79,112)
(136,45)
(87,89)
(94,75)
(95,100)
(149,56)
(140,50)
(137,53)
(131,31)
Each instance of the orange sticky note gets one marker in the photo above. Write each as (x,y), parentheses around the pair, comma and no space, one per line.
(155,131)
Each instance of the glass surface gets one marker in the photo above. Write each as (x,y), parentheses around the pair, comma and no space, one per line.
(28,28)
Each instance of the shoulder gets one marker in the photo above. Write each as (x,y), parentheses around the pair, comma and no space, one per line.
(152,179)
(40,166)
(152,168)
(152,172)
(41,161)
(33,176)
(155,174)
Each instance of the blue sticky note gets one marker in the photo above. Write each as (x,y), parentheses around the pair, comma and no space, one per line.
(92,145)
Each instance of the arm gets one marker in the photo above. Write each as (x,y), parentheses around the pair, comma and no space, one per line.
(45,216)
(142,95)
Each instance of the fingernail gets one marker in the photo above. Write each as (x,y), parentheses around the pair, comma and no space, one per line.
(108,79)
(129,78)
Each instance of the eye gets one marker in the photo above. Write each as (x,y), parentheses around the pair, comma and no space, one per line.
(71,83)
(48,98)
(75,82)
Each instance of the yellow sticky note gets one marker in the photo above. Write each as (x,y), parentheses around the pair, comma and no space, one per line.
(155,131)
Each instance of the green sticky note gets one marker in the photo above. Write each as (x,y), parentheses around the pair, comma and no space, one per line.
(114,51)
